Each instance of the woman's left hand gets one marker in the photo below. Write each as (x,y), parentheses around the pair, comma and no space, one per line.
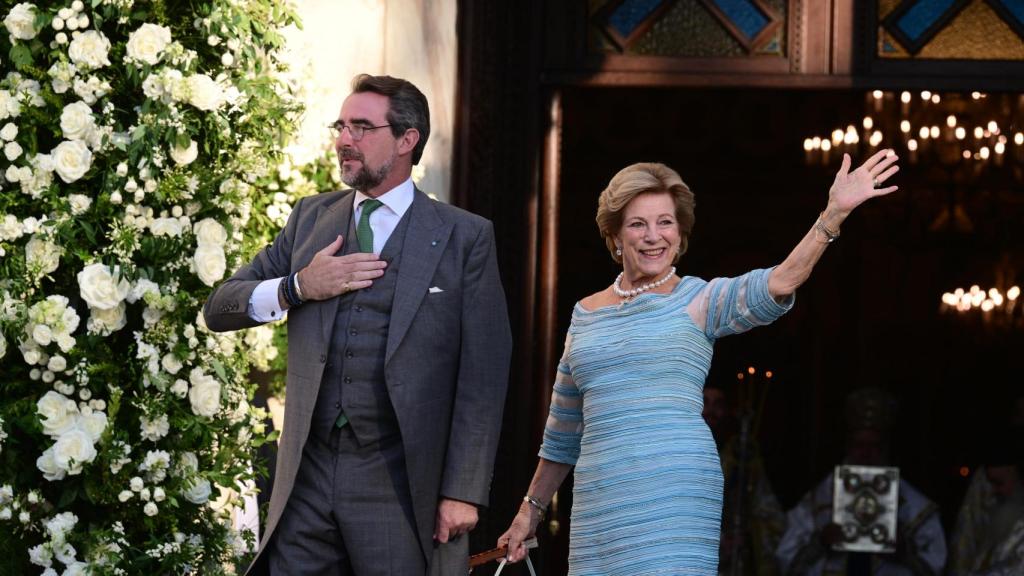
(851,189)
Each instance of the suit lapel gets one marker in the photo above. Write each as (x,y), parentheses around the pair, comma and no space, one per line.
(332,220)
(425,242)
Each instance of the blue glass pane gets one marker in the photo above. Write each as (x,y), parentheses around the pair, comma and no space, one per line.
(915,21)
(744,15)
(887,46)
(631,14)
(1015,7)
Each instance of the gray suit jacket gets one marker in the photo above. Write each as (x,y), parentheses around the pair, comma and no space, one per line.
(448,353)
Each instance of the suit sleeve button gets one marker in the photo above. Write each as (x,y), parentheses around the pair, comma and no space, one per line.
(323,358)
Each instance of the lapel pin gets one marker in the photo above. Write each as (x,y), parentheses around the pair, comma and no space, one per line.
(434,243)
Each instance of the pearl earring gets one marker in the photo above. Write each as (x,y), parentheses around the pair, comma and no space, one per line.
(618,251)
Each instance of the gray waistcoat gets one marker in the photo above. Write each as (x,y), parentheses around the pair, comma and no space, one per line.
(353,379)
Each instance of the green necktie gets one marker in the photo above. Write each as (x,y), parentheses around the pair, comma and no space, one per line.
(364,234)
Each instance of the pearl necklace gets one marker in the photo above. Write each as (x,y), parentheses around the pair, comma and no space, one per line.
(617,286)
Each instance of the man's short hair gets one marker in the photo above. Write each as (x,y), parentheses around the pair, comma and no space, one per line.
(408,106)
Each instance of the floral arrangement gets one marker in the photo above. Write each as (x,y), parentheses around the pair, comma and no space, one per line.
(139,141)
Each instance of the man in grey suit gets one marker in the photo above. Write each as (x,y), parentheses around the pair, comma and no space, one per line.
(398,355)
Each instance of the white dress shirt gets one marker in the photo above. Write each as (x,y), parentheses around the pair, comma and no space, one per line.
(264,305)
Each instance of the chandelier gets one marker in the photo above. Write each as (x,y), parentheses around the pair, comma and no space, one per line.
(958,145)
(967,132)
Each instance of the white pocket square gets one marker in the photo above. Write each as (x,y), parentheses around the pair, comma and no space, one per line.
(434,290)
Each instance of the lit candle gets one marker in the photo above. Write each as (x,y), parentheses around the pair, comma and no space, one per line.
(877,96)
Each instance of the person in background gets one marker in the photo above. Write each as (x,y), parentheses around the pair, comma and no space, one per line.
(988,539)
(752,519)
(806,547)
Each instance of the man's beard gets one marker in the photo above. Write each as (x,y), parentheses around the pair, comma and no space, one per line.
(366,178)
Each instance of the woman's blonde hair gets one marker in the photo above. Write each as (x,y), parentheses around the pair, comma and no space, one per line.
(637,179)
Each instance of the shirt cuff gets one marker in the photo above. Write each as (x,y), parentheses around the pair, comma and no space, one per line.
(263,303)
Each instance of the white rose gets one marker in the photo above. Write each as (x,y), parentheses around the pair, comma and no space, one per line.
(122,169)
(165,227)
(77,121)
(58,413)
(204,395)
(73,449)
(171,363)
(47,464)
(106,322)
(188,461)
(153,87)
(150,509)
(125,495)
(79,204)
(93,424)
(76,568)
(198,492)
(210,264)
(101,289)
(142,287)
(185,156)
(158,494)
(9,131)
(154,429)
(89,50)
(20,21)
(9,105)
(179,388)
(42,334)
(44,162)
(12,150)
(42,254)
(204,92)
(66,341)
(57,363)
(209,232)
(3,346)
(147,43)
(40,555)
(71,160)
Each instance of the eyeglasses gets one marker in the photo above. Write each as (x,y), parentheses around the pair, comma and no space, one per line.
(356,131)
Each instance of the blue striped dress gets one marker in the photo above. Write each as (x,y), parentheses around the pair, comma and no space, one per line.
(626,411)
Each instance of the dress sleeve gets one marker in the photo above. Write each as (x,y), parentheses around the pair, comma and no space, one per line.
(729,306)
(564,428)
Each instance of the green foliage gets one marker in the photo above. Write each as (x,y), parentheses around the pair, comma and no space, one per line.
(142,158)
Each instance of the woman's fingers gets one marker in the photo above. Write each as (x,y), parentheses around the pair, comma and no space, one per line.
(878,157)
(844,168)
(882,177)
(881,166)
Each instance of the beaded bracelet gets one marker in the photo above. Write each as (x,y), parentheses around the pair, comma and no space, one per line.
(288,291)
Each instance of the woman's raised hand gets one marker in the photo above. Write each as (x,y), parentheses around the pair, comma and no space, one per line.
(851,189)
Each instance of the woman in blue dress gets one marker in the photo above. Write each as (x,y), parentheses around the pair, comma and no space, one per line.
(626,406)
